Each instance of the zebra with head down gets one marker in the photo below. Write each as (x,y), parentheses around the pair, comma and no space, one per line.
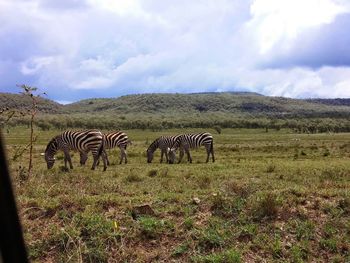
(82,141)
(111,140)
(189,141)
(163,143)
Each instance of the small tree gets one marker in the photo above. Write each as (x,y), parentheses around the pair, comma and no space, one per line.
(32,111)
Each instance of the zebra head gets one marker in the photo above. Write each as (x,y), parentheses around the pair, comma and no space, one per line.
(171,155)
(83,158)
(149,155)
(50,151)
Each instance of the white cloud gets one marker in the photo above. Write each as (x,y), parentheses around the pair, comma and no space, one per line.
(108,48)
(280,21)
(33,65)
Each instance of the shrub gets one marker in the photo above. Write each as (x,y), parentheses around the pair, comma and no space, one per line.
(267,207)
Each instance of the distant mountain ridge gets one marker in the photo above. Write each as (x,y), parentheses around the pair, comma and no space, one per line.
(233,103)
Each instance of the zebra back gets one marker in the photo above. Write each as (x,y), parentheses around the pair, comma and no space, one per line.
(82,141)
(162,143)
(115,139)
(193,140)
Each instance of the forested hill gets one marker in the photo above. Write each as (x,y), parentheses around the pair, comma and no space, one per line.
(238,104)
(22,102)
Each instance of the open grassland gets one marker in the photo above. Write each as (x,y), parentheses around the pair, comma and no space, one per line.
(269,197)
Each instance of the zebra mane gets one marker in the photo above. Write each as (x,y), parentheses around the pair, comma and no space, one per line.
(51,143)
(154,145)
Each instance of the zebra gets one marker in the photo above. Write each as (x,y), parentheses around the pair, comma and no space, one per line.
(82,141)
(111,140)
(163,143)
(189,141)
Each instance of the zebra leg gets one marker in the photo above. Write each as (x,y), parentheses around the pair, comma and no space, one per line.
(105,161)
(83,158)
(181,155)
(189,158)
(122,155)
(67,158)
(161,156)
(106,156)
(125,156)
(212,151)
(208,148)
(166,156)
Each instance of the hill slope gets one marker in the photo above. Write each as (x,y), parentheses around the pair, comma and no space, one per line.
(233,104)
(20,102)
(240,104)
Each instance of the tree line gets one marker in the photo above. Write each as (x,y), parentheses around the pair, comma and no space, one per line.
(157,123)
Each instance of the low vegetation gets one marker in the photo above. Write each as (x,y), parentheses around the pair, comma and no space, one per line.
(269,197)
(202,110)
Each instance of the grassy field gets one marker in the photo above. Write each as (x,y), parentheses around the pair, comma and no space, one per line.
(269,197)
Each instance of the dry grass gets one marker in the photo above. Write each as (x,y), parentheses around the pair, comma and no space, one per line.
(256,204)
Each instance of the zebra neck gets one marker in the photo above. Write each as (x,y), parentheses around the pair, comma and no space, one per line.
(154,145)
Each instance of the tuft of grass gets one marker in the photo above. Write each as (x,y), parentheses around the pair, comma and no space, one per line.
(204,181)
(247,232)
(299,253)
(326,152)
(266,207)
(225,206)
(150,227)
(228,256)
(305,230)
(133,178)
(328,244)
(180,250)
(188,223)
(152,173)
(164,172)
(239,189)
(344,204)
(276,248)
(270,168)
(210,238)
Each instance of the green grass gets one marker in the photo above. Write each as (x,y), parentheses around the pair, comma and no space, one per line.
(274,197)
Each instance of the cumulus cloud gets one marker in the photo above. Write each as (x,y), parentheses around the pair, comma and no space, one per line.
(92,48)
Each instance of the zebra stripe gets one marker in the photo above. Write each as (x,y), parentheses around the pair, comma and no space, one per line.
(82,141)
(163,143)
(110,141)
(191,141)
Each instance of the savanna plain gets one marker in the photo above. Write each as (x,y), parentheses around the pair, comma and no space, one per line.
(273,196)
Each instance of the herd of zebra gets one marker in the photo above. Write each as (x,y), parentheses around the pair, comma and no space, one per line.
(97,142)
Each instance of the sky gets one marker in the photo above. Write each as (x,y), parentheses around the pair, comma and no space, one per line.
(76,49)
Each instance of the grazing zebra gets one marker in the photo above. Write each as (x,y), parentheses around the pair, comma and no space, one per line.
(194,140)
(82,141)
(111,140)
(163,143)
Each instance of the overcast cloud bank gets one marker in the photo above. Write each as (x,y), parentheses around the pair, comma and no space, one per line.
(91,48)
